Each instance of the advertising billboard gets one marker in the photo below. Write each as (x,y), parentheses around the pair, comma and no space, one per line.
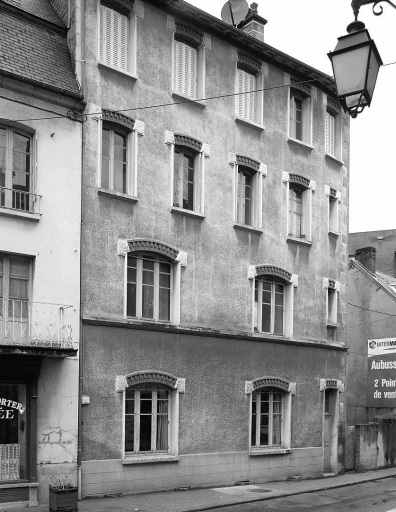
(381,375)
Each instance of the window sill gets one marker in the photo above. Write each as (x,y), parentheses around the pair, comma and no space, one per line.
(245,227)
(188,101)
(334,233)
(187,213)
(117,195)
(334,159)
(149,459)
(300,241)
(268,451)
(300,144)
(251,124)
(117,71)
(35,217)
(270,336)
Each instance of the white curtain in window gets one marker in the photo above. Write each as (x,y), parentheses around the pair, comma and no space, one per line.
(113,37)
(246,83)
(185,69)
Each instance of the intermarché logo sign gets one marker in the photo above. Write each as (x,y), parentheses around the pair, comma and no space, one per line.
(381,375)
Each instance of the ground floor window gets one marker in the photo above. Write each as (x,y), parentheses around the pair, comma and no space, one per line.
(267,417)
(147,419)
(13,435)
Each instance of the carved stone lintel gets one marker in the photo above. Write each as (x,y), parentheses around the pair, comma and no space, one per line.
(139,127)
(205,149)
(232,158)
(263,169)
(182,258)
(234,54)
(181,385)
(169,137)
(322,384)
(252,273)
(293,388)
(337,286)
(312,185)
(285,177)
(122,247)
(265,69)
(248,387)
(340,386)
(325,283)
(327,190)
(121,383)
(170,23)
(138,8)
(207,41)
(294,280)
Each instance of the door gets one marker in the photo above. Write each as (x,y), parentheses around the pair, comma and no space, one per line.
(326,432)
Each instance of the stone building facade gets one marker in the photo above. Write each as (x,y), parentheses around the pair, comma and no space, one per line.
(215,206)
(40,214)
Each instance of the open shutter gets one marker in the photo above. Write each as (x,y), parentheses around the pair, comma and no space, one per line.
(246,83)
(330,133)
(306,120)
(113,37)
(102,34)
(185,69)
(123,39)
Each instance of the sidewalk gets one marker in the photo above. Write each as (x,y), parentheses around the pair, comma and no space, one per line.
(207,499)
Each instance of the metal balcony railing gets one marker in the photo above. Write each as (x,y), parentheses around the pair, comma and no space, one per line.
(35,324)
(19,200)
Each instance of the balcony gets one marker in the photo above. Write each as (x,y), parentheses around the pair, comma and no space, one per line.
(37,325)
(19,203)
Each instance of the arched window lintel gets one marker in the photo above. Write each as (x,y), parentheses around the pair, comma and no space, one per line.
(149,376)
(272,270)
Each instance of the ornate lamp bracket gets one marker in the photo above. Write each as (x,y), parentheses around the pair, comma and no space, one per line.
(356,5)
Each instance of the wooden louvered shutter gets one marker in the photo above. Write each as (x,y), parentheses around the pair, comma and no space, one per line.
(246,83)
(185,69)
(330,133)
(113,37)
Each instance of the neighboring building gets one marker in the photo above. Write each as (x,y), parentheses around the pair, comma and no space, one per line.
(371,316)
(384,241)
(40,215)
(214,252)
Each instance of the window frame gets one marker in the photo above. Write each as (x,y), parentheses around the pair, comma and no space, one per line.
(256,417)
(197,179)
(332,295)
(306,188)
(256,118)
(132,137)
(140,256)
(274,385)
(9,204)
(257,170)
(305,97)
(258,304)
(130,39)
(198,83)
(333,111)
(334,200)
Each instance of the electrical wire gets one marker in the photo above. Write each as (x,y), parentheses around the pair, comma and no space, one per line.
(372,310)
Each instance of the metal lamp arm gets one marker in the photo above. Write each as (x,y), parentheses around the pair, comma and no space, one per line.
(356,4)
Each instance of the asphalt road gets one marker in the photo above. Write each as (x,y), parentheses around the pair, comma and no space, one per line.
(378,496)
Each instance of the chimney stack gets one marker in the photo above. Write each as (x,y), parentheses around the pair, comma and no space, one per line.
(367,257)
(253,24)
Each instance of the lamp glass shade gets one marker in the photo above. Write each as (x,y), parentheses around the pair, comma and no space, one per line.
(356,63)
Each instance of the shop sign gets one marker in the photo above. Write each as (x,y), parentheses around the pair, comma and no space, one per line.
(381,381)
(9,409)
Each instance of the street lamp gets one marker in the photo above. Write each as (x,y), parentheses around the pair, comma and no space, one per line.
(356,62)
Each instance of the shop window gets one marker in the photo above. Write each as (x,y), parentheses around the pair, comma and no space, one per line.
(13,433)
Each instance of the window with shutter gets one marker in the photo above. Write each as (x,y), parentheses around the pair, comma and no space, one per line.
(246,86)
(113,40)
(185,69)
(300,117)
(330,134)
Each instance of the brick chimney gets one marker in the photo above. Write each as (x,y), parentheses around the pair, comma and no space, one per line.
(367,257)
(253,24)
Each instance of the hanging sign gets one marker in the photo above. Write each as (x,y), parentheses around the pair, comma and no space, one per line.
(9,409)
(381,375)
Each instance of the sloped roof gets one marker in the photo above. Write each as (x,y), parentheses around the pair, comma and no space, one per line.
(39,8)
(32,51)
(383,280)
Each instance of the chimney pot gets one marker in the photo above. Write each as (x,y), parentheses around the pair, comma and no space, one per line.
(367,257)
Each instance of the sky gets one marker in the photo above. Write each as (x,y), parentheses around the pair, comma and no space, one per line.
(307,30)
